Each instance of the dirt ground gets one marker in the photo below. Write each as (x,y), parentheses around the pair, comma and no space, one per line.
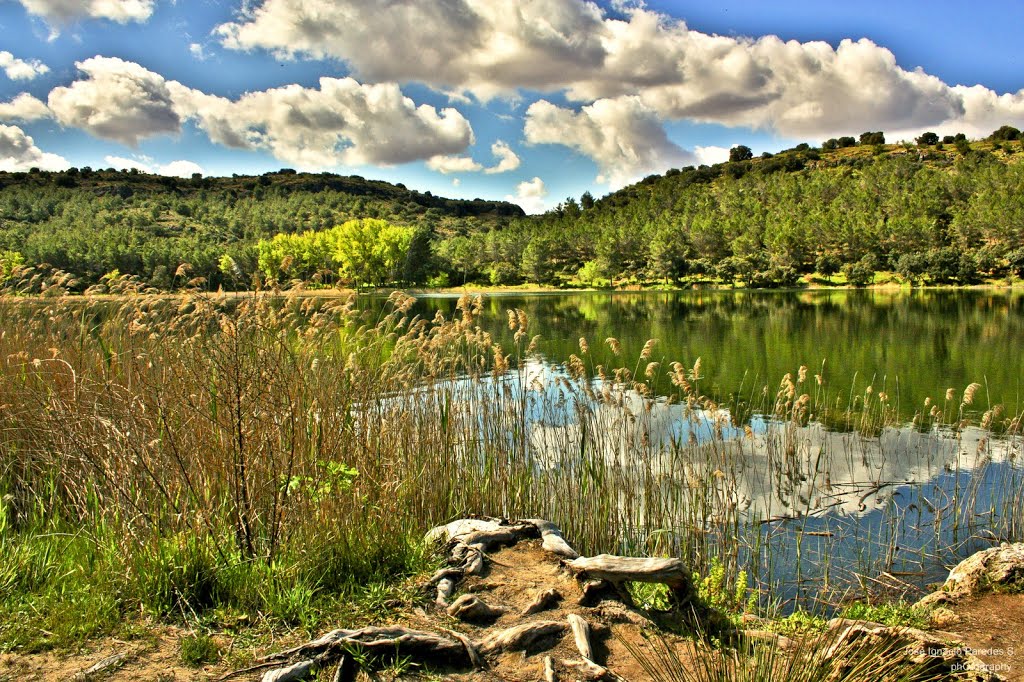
(992,626)
(511,580)
(157,659)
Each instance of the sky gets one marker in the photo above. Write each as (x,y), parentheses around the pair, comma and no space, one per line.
(532,101)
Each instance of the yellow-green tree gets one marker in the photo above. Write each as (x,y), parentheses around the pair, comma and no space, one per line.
(371,251)
(9,262)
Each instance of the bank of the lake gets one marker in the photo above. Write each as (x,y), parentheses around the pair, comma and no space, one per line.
(266,464)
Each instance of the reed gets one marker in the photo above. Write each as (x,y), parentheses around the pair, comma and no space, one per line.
(275,454)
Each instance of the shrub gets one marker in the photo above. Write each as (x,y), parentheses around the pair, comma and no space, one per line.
(859,274)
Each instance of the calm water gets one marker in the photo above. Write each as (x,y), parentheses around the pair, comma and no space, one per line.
(912,345)
(822,510)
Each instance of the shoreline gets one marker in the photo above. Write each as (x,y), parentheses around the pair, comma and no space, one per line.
(531,290)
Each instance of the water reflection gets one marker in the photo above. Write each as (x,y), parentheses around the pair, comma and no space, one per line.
(912,344)
(809,507)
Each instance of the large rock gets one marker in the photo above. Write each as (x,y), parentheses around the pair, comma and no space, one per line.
(932,653)
(999,569)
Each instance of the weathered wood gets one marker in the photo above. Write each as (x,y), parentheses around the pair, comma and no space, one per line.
(474,561)
(452,572)
(543,601)
(445,588)
(473,609)
(588,670)
(309,649)
(581,634)
(379,643)
(594,591)
(552,540)
(549,670)
(519,637)
(103,666)
(388,642)
(620,569)
(347,670)
(503,535)
(471,650)
(296,671)
(460,528)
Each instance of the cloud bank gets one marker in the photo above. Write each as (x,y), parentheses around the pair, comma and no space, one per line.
(631,71)
(341,122)
(57,12)
(181,169)
(18,152)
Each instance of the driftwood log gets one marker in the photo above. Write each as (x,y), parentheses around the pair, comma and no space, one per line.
(468,543)
(581,634)
(549,670)
(619,570)
(543,601)
(472,609)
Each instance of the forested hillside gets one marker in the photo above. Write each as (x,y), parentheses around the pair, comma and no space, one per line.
(927,213)
(169,231)
(934,212)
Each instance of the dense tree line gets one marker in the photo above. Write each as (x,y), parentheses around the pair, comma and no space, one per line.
(92,223)
(938,211)
(927,213)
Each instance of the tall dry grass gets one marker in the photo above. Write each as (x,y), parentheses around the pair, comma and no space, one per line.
(264,450)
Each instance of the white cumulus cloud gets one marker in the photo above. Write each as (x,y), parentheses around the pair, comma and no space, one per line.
(530,195)
(341,122)
(181,169)
(488,47)
(453,164)
(711,155)
(19,69)
(66,11)
(507,161)
(24,107)
(18,152)
(810,90)
(623,136)
(118,100)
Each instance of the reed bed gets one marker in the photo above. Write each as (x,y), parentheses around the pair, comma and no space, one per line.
(272,455)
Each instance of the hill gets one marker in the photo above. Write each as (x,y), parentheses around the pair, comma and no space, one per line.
(944,214)
(89,223)
(934,212)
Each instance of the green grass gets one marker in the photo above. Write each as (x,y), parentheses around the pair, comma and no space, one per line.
(60,589)
(198,649)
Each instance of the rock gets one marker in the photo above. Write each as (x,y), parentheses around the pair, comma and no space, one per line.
(937,655)
(999,568)
(943,617)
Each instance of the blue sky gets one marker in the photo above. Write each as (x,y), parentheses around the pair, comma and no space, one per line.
(533,100)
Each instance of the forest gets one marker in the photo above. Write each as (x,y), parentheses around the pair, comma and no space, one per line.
(855,212)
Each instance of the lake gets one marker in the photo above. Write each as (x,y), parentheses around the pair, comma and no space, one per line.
(880,495)
(911,344)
